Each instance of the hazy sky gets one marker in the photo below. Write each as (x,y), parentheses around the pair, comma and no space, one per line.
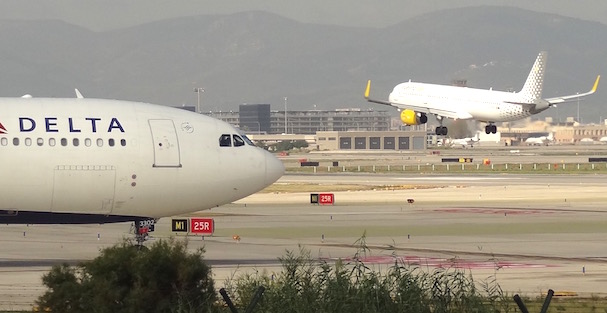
(111,14)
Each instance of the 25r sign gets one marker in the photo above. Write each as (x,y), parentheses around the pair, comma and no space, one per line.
(202,226)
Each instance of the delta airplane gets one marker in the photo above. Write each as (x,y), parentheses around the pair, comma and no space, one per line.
(417,100)
(77,161)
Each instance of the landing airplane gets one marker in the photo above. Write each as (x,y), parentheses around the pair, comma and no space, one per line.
(417,100)
(78,161)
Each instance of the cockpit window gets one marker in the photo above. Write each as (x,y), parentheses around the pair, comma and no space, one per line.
(238,141)
(248,140)
(225,140)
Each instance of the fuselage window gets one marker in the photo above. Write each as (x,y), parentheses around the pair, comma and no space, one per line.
(76,142)
(40,142)
(15,141)
(123,142)
(110,142)
(238,141)
(28,141)
(88,142)
(4,141)
(225,140)
(64,142)
(99,142)
(52,142)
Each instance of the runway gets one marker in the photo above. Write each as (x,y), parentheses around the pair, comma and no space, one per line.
(533,232)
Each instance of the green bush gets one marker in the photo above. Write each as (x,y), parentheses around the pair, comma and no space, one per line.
(125,278)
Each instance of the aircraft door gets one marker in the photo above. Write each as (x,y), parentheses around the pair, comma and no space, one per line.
(166,143)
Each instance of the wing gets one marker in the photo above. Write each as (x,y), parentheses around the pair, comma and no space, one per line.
(570,98)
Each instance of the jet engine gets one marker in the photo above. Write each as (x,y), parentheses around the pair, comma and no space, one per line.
(410,117)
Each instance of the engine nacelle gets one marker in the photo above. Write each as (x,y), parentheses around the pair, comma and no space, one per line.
(410,117)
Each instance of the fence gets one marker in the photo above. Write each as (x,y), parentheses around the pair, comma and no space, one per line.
(459,168)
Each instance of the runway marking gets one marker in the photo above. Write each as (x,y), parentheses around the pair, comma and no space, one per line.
(458,178)
(494,211)
(447,263)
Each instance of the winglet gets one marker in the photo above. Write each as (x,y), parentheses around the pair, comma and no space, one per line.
(596,84)
(368,90)
(78,94)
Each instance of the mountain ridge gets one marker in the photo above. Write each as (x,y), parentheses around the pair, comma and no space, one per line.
(259,57)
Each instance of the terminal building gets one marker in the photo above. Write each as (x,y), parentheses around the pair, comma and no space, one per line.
(259,119)
(341,129)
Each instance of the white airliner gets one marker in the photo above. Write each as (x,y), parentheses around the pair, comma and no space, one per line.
(465,142)
(100,161)
(417,100)
(540,141)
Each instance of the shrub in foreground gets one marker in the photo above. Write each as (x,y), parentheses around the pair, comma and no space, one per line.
(124,278)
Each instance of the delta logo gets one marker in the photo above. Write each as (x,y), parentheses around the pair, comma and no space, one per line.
(72,125)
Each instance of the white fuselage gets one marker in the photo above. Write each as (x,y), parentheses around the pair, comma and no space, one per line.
(461,102)
(118,158)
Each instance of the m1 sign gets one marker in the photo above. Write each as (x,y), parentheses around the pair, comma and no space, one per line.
(202,226)
(326,199)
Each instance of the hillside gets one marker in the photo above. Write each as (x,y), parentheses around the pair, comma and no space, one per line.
(255,57)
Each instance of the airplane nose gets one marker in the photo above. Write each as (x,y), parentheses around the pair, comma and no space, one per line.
(274,168)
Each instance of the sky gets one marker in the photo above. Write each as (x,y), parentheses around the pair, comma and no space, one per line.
(113,14)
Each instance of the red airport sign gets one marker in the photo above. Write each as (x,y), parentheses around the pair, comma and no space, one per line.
(202,226)
(326,199)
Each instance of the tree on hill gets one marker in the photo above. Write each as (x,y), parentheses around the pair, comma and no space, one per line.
(164,278)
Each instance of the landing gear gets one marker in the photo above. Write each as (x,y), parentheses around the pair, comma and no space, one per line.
(490,129)
(141,229)
(441,131)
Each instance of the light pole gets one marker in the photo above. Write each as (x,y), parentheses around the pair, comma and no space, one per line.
(286,130)
(578,109)
(198,90)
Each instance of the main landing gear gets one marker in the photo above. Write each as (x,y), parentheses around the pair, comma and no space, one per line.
(490,129)
(441,130)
